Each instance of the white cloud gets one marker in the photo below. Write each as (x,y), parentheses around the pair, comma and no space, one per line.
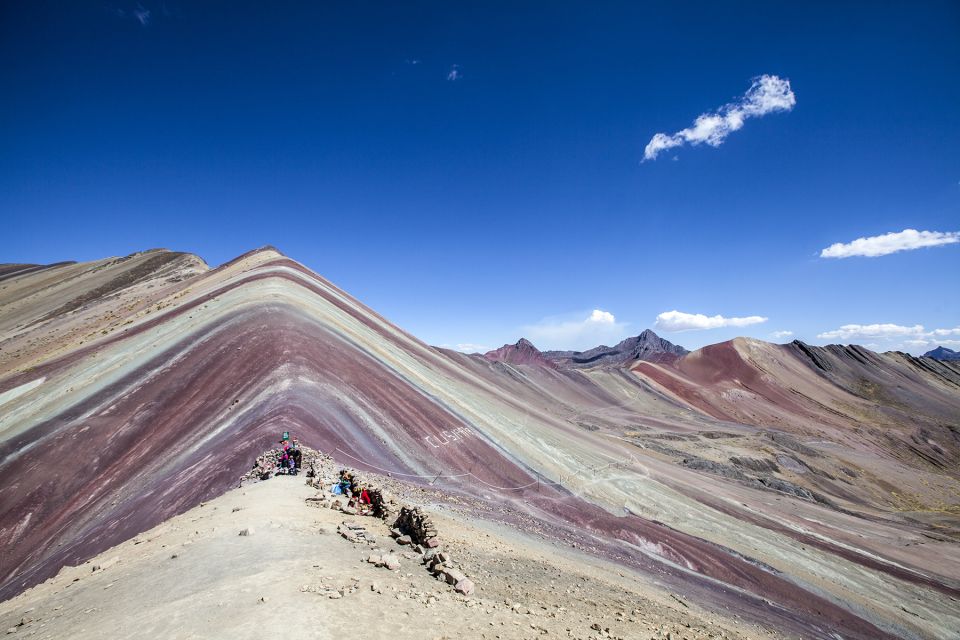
(767,94)
(454,73)
(893,337)
(679,321)
(855,331)
(920,345)
(905,240)
(602,317)
(469,347)
(600,327)
(946,332)
(780,335)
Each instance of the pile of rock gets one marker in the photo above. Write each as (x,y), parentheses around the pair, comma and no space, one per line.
(266,464)
(356,533)
(440,565)
(334,592)
(322,474)
(413,526)
(380,506)
(387,560)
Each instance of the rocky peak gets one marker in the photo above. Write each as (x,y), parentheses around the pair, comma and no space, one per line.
(523,352)
(942,353)
(646,346)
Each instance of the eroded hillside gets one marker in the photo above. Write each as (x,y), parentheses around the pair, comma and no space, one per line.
(812,490)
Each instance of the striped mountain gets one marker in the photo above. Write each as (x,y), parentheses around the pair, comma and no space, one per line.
(810,489)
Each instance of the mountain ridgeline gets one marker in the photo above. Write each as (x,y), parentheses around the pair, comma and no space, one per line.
(647,346)
(811,490)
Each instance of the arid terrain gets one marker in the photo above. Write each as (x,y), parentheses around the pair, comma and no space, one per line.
(745,489)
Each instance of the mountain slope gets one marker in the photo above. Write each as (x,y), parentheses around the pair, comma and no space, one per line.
(155,392)
(295,572)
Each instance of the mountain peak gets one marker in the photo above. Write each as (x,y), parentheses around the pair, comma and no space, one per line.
(646,346)
(523,352)
(942,353)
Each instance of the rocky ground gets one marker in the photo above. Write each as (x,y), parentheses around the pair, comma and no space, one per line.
(260,561)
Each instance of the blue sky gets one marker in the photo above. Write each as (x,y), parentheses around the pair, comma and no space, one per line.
(477,173)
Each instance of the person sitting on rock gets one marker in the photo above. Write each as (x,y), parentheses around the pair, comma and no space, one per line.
(343,485)
(354,486)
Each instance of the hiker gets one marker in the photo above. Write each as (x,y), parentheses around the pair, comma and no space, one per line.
(296,454)
(354,486)
(283,456)
(343,484)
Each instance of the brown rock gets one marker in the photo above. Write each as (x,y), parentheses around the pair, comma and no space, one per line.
(465,586)
(453,576)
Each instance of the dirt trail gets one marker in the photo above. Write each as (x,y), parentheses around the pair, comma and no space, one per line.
(196,577)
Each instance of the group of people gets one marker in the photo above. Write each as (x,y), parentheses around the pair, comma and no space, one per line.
(350,487)
(290,457)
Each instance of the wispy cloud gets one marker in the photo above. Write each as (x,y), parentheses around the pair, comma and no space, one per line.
(576,332)
(780,335)
(871,331)
(138,13)
(454,74)
(893,337)
(679,321)
(938,333)
(469,347)
(888,243)
(142,15)
(767,94)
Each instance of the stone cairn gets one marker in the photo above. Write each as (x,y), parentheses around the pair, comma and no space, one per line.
(415,527)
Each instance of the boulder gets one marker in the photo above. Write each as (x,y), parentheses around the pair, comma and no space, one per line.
(465,586)
(453,576)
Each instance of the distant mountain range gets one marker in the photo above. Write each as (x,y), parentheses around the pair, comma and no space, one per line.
(942,353)
(647,346)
